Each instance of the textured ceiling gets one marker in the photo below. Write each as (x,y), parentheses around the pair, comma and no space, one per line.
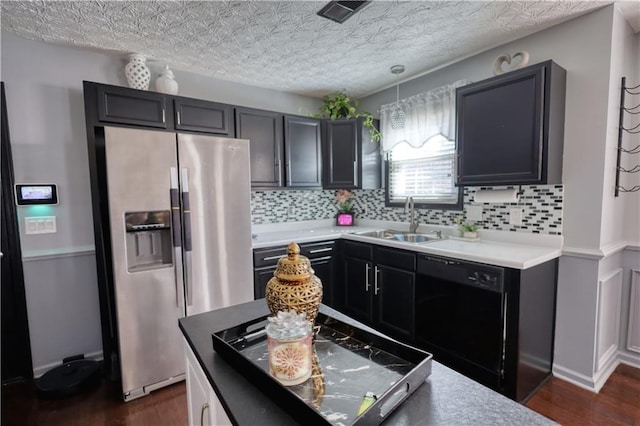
(285,45)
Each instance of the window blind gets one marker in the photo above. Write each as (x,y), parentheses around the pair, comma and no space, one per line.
(427,173)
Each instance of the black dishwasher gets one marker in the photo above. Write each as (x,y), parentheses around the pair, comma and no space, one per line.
(460,316)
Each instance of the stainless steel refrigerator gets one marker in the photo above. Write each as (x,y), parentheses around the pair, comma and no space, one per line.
(180,231)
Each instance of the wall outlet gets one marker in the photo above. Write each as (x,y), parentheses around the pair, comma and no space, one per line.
(40,225)
(474,213)
(515,216)
(291,211)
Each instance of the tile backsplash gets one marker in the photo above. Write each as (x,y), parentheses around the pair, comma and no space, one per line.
(541,204)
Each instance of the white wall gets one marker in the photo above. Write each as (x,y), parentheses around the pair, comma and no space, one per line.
(46,118)
(619,223)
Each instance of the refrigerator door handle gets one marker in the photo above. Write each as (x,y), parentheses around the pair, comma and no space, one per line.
(176,234)
(186,224)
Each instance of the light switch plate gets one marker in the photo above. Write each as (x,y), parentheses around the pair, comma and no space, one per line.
(39,225)
(515,216)
(474,213)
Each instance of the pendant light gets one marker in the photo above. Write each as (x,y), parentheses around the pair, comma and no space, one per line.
(398,116)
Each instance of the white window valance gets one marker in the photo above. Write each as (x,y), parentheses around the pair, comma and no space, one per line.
(427,114)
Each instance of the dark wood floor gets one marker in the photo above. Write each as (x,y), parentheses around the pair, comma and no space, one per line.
(618,403)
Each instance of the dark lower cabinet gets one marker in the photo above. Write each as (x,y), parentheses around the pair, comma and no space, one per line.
(357,297)
(394,311)
(379,286)
(129,106)
(321,256)
(202,116)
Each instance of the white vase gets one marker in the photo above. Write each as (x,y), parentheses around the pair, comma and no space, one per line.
(166,82)
(137,72)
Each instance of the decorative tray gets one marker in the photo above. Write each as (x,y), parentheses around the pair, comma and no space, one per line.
(348,364)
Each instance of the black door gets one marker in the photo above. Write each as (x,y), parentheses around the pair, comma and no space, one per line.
(129,106)
(341,168)
(393,310)
(260,279)
(203,116)
(16,349)
(358,289)
(303,152)
(323,268)
(266,139)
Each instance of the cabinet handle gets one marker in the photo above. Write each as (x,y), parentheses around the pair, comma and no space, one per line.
(178,117)
(375,281)
(355,173)
(204,408)
(163,116)
(289,179)
(446,262)
(272,257)
(322,250)
(366,277)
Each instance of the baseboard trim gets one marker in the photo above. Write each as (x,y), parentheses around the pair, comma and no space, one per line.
(602,375)
(39,371)
(573,377)
(629,359)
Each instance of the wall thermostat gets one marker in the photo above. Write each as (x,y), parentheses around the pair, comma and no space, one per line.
(29,194)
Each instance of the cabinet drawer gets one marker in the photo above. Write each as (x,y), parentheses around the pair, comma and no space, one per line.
(320,249)
(268,256)
(397,258)
(358,250)
(203,116)
(129,106)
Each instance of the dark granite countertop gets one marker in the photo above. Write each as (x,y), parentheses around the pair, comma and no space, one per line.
(446,398)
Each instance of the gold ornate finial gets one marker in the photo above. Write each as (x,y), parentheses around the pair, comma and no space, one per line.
(293,250)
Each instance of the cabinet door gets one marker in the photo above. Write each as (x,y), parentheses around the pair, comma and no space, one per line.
(303,152)
(394,300)
(341,168)
(203,116)
(357,288)
(323,268)
(371,159)
(500,129)
(129,106)
(203,406)
(260,279)
(264,131)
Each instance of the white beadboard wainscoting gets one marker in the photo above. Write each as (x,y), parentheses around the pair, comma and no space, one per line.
(597,321)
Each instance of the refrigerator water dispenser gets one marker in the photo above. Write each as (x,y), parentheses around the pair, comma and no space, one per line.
(148,240)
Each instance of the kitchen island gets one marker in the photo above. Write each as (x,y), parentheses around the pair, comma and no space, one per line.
(445,398)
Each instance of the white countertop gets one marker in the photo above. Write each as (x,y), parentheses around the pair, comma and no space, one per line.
(496,248)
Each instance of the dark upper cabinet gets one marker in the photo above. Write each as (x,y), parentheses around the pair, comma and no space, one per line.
(351,159)
(202,116)
(264,129)
(510,128)
(129,106)
(303,152)
(285,150)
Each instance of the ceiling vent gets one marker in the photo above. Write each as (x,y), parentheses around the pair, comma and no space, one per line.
(340,11)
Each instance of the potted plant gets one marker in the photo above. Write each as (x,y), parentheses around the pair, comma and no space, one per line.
(339,105)
(346,215)
(469,230)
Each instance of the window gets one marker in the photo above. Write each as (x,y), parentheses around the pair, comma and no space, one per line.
(427,174)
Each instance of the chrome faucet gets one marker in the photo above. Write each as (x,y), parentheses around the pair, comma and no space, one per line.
(409,205)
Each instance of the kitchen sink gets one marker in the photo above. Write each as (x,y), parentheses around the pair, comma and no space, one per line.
(408,237)
(415,238)
(385,233)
